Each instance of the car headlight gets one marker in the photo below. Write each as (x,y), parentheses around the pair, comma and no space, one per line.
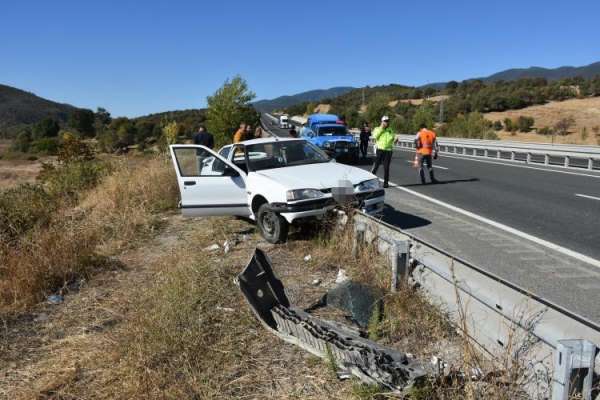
(328,145)
(303,194)
(367,186)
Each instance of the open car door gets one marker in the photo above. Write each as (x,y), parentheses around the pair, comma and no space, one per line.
(208,183)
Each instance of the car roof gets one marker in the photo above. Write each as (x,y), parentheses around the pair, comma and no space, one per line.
(329,125)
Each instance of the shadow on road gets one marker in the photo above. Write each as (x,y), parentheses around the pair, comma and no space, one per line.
(444,182)
(403,220)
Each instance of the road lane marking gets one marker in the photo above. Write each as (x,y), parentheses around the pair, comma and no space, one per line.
(471,158)
(435,166)
(506,228)
(587,196)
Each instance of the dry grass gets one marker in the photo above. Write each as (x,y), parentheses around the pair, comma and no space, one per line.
(586,113)
(120,211)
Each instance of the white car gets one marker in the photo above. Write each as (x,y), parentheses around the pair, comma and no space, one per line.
(273,181)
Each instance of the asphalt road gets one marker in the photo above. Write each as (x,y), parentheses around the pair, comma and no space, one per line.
(557,207)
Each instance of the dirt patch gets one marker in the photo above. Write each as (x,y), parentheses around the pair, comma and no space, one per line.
(14,172)
(585,112)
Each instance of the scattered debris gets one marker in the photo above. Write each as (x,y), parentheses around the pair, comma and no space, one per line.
(225,309)
(308,258)
(226,247)
(341,276)
(361,301)
(42,317)
(352,354)
(316,282)
(55,299)
(212,247)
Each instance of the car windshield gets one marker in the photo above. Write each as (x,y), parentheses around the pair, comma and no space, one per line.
(283,154)
(332,131)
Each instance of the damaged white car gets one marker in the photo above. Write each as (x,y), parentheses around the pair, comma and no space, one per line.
(272,181)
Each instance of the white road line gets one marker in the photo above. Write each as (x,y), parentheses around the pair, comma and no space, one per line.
(435,166)
(471,158)
(587,196)
(516,232)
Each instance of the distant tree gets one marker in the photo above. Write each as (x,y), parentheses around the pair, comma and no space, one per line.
(377,107)
(310,108)
(82,120)
(429,91)
(228,107)
(102,116)
(171,132)
(451,86)
(563,125)
(525,124)
(423,116)
(22,142)
(546,130)
(48,127)
(497,125)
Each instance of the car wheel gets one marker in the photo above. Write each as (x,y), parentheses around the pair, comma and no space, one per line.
(273,227)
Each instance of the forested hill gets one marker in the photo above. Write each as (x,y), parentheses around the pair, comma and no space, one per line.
(310,96)
(18,107)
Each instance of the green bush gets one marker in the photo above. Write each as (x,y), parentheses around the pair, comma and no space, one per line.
(525,124)
(471,126)
(23,208)
(497,126)
(47,145)
(22,142)
(546,130)
(67,180)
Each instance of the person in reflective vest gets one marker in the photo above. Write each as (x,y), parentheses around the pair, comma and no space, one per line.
(384,142)
(427,151)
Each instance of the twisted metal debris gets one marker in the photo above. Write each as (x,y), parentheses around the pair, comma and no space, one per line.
(352,354)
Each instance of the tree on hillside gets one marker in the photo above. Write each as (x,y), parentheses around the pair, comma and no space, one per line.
(48,127)
(378,106)
(424,116)
(228,107)
(82,120)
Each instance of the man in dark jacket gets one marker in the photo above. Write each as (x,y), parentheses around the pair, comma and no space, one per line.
(203,138)
(365,135)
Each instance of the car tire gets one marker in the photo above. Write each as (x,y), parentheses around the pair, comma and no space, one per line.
(273,227)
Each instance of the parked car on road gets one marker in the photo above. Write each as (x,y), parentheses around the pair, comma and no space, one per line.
(326,132)
(272,181)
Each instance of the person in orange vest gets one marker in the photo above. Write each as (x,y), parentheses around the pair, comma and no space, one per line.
(427,151)
(240,134)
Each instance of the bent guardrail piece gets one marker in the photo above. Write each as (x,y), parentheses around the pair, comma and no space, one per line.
(368,361)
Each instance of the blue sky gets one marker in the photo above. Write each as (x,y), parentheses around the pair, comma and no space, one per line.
(135,58)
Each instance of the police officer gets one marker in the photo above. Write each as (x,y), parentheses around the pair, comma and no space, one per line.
(384,142)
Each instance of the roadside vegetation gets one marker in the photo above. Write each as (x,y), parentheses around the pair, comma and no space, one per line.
(458,109)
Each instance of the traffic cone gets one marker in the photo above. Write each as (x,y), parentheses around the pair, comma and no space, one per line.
(416,162)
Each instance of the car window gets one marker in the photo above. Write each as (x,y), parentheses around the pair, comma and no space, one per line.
(224,152)
(193,161)
(283,154)
(332,131)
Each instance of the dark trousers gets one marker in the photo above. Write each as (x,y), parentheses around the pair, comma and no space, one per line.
(426,159)
(385,157)
(364,147)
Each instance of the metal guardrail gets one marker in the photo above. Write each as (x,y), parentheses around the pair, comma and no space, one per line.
(497,315)
(568,156)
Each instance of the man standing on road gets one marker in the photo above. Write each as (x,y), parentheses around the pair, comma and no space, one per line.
(292,132)
(427,150)
(240,134)
(384,141)
(365,135)
(204,138)
(305,131)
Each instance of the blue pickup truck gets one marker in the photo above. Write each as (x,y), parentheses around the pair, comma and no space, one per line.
(327,132)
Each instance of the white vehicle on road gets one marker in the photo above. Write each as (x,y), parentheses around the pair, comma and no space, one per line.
(272,181)
(284,122)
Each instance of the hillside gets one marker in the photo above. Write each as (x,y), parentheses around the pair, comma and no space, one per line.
(18,107)
(310,96)
(585,113)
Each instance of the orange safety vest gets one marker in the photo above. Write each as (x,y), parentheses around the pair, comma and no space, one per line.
(239,136)
(427,139)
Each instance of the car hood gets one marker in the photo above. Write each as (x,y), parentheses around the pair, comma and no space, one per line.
(320,140)
(316,176)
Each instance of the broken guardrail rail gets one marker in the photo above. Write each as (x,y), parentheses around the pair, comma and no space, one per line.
(352,354)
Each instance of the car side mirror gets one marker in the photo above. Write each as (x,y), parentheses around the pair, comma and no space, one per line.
(228,171)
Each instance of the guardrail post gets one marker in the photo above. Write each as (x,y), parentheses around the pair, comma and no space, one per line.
(573,369)
(546,159)
(512,156)
(590,164)
(528,161)
(359,237)
(400,262)
(485,152)
(498,154)
(567,159)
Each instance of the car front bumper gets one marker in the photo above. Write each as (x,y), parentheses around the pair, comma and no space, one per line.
(370,203)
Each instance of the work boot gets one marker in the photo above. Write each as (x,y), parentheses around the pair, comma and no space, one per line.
(433,180)
(385,185)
